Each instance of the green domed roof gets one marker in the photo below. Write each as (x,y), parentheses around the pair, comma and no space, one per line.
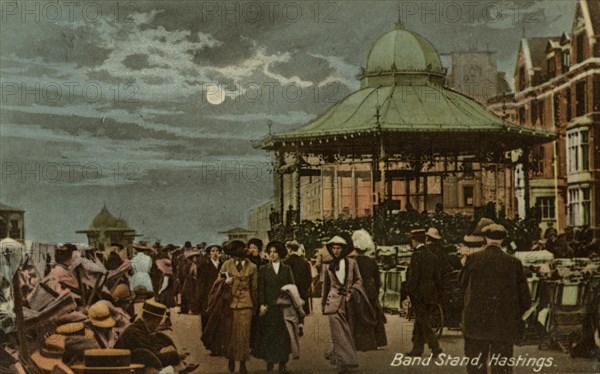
(403,50)
(105,220)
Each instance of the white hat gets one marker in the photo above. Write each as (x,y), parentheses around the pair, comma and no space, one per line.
(337,240)
(363,241)
(432,232)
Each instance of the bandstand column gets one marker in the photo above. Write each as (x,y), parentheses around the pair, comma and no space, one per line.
(336,194)
(354,191)
(279,186)
(526,184)
(297,193)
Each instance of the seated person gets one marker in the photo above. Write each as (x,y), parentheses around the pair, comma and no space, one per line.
(142,334)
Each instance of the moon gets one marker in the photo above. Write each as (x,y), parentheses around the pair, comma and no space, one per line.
(215,95)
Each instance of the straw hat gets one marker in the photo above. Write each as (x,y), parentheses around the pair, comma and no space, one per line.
(154,308)
(99,315)
(433,233)
(483,222)
(142,246)
(494,231)
(417,234)
(74,329)
(122,293)
(50,353)
(337,240)
(473,241)
(107,361)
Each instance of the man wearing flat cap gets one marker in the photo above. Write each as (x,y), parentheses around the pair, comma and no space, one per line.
(424,287)
(496,296)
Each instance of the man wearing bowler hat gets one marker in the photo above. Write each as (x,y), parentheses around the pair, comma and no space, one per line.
(424,288)
(496,297)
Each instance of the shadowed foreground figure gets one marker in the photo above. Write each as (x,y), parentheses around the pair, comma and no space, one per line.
(143,340)
(496,296)
(424,287)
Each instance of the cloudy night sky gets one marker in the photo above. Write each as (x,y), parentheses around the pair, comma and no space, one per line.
(106,102)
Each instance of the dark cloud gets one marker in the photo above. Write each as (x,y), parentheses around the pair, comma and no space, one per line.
(136,61)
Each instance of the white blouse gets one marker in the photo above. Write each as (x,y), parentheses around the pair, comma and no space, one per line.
(341,273)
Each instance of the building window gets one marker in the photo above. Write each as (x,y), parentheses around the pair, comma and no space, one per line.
(534,112)
(580,99)
(546,207)
(579,46)
(551,72)
(573,207)
(468,196)
(572,154)
(578,151)
(522,115)
(537,158)
(541,109)
(586,206)
(566,61)
(585,150)
(579,207)
(522,78)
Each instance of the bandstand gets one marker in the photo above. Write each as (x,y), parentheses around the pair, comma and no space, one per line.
(399,140)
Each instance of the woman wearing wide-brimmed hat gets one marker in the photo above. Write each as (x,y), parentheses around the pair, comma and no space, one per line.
(242,277)
(342,275)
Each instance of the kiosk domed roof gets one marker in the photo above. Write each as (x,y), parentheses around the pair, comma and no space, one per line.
(105,219)
(403,50)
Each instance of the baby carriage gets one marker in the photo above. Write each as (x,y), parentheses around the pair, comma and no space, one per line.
(448,312)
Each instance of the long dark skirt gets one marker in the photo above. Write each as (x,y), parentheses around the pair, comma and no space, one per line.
(273,339)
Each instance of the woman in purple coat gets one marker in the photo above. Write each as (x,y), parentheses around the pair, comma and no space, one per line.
(342,275)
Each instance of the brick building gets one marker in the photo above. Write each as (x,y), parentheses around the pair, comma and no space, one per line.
(557,88)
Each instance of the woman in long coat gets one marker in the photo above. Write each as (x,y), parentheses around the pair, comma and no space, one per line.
(365,337)
(342,275)
(242,277)
(274,340)
(208,273)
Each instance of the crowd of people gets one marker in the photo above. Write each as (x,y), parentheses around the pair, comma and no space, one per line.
(252,299)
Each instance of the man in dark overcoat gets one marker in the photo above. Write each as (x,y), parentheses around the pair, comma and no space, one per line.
(302,273)
(496,296)
(424,288)
(141,334)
